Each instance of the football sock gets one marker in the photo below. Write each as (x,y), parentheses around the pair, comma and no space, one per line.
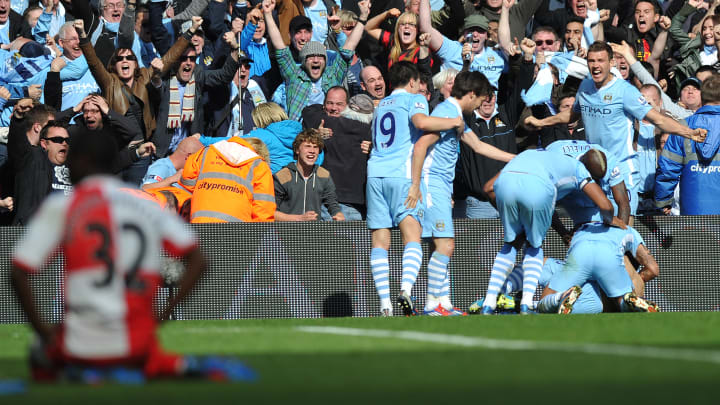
(437,272)
(514,281)
(532,267)
(380,268)
(550,303)
(445,292)
(504,262)
(411,261)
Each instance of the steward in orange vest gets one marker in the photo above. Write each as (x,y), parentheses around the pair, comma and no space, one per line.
(230,182)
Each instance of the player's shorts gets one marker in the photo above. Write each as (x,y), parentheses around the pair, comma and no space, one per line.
(386,202)
(632,185)
(437,220)
(589,302)
(594,260)
(48,362)
(526,204)
(633,197)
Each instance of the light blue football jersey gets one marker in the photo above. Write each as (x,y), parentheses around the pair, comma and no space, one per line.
(625,240)
(489,62)
(608,114)
(563,172)
(394,134)
(441,158)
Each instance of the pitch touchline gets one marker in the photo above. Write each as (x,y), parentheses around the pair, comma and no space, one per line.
(707,356)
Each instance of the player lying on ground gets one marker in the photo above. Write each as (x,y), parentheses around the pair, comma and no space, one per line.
(596,254)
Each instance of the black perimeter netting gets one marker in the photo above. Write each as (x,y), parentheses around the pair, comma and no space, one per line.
(303,270)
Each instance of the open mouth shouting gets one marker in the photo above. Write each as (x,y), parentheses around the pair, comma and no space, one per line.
(407,33)
(581,9)
(597,73)
(4,12)
(623,68)
(315,65)
(642,24)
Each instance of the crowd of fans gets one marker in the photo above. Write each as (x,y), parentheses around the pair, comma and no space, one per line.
(255,110)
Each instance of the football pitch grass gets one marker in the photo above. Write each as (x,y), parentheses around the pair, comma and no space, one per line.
(621,358)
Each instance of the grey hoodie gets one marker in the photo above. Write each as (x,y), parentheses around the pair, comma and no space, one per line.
(295,194)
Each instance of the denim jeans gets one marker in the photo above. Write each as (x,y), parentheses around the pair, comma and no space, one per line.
(351,213)
(473,208)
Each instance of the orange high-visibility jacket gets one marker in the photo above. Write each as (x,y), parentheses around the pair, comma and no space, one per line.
(230,183)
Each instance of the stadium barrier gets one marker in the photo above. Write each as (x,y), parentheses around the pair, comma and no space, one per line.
(316,269)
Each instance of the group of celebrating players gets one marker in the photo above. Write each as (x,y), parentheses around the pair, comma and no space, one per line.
(410,177)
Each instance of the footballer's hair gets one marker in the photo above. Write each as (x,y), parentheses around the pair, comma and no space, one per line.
(402,72)
(596,163)
(90,154)
(600,46)
(471,82)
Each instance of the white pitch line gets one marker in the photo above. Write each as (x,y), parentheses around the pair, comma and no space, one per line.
(706,356)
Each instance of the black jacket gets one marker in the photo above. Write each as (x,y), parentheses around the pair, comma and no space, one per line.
(343,157)
(33,172)
(204,79)
(119,128)
(474,170)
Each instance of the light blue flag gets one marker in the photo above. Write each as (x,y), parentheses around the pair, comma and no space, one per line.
(541,90)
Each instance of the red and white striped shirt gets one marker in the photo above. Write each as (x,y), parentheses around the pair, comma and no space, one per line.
(110,240)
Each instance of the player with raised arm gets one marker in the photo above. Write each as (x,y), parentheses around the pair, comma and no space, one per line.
(110,240)
(399,121)
(608,106)
(434,158)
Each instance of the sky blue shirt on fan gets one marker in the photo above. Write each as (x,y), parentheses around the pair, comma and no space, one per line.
(394,134)
(489,62)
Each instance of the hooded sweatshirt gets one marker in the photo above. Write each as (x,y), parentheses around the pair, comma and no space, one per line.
(294,194)
(230,183)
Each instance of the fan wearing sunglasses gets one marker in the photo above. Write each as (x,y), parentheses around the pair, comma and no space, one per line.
(54,139)
(546,39)
(126,87)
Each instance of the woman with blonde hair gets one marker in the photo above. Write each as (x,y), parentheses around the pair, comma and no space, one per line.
(402,44)
(277,132)
(267,113)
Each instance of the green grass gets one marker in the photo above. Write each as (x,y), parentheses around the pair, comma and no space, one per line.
(297,366)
